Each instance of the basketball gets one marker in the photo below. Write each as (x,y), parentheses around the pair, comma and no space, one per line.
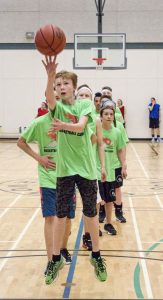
(50,40)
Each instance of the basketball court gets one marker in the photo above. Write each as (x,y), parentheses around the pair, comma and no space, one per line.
(100,56)
(134,256)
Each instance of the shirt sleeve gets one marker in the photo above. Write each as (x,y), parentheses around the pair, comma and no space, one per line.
(121,142)
(29,133)
(55,111)
(86,109)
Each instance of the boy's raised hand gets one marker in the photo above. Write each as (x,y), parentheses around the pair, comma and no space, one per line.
(50,65)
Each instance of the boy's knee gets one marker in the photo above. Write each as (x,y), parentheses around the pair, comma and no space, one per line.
(49,219)
(90,213)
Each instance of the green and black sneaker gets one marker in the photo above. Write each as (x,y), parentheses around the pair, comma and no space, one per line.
(100,268)
(53,270)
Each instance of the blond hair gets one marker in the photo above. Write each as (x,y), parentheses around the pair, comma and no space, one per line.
(68,75)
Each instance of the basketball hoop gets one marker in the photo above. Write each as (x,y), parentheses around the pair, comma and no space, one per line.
(99,62)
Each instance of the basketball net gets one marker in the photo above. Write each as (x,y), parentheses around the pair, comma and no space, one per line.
(99,62)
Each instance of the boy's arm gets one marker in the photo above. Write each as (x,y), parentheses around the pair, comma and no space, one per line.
(50,66)
(100,146)
(150,107)
(45,161)
(159,112)
(122,159)
(77,127)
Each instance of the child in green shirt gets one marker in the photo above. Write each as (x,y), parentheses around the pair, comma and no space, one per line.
(114,145)
(75,163)
(46,157)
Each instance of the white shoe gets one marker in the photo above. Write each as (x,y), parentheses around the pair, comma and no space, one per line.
(158,140)
(153,140)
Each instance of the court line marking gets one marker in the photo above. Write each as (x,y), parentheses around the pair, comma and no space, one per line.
(159,201)
(70,275)
(142,262)
(157,197)
(146,174)
(19,238)
(7,241)
(152,242)
(139,160)
(137,271)
(11,204)
(140,248)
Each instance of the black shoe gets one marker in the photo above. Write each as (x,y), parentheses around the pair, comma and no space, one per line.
(120,218)
(66,255)
(119,213)
(100,232)
(110,229)
(102,214)
(47,267)
(87,243)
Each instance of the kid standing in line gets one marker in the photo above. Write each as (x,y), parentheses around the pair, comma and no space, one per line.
(37,132)
(84,92)
(118,204)
(114,145)
(107,91)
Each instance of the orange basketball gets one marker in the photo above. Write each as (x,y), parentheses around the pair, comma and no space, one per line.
(50,40)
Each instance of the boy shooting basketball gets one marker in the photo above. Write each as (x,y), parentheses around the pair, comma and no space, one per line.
(76,164)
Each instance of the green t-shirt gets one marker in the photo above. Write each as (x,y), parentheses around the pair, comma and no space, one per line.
(75,151)
(38,132)
(120,126)
(97,114)
(113,142)
(118,115)
(92,125)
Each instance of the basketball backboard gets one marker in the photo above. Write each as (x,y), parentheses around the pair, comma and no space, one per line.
(95,51)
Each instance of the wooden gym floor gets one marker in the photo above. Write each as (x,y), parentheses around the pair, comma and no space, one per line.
(134,257)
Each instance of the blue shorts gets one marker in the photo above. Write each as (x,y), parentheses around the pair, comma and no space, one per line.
(48,203)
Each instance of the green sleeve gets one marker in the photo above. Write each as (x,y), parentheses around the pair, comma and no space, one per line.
(29,133)
(121,142)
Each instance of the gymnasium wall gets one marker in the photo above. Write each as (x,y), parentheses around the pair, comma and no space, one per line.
(22,76)
(23,82)
(141,20)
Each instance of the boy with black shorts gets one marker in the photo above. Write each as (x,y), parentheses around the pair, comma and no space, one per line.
(118,203)
(114,145)
(75,163)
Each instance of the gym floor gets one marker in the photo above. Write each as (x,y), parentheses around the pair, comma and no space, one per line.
(134,256)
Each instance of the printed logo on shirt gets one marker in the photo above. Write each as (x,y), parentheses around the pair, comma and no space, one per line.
(52,147)
(107,141)
(52,135)
(71,117)
(108,145)
(72,133)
